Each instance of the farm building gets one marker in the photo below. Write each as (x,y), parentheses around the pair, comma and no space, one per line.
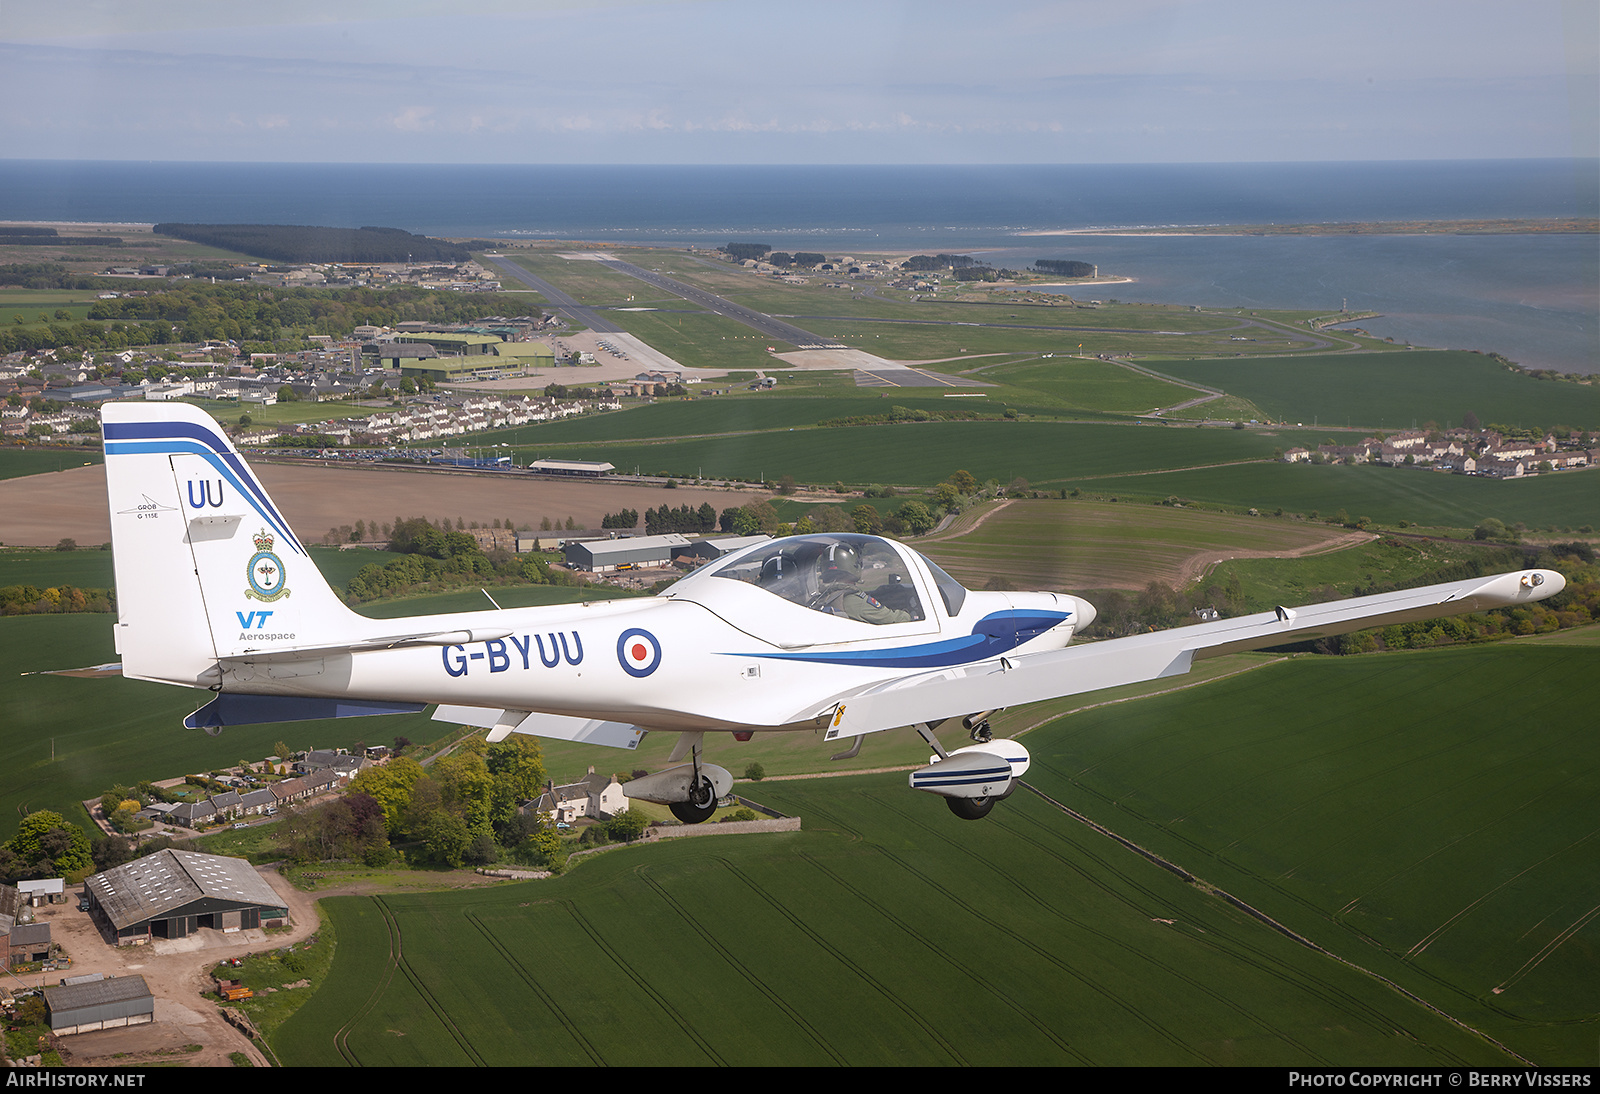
(604,555)
(50,890)
(100,1004)
(26,942)
(172,894)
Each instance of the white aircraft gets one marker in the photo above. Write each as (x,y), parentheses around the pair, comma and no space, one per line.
(839,633)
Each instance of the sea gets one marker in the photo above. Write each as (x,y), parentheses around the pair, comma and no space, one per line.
(1534,297)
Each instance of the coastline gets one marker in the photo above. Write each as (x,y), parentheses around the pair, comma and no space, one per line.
(83,225)
(1564,225)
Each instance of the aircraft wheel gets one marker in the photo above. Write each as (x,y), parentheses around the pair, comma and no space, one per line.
(701,804)
(971,808)
(689,813)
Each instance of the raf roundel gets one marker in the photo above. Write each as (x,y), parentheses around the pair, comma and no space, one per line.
(638,652)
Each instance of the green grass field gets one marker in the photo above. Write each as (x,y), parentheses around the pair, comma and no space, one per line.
(1394,392)
(884,936)
(85,569)
(1049,453)
(28,304)
(1268,582)
(1569,499)
(1426,816)
(1079,544)
(17,462)
(1091,385)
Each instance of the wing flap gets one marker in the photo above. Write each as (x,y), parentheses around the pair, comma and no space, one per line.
(503,723)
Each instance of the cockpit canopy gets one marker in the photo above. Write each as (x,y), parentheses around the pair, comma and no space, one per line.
(862,578)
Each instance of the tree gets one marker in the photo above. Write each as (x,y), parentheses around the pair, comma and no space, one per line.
(627,825)
(447,837)
(391,786)
(868,521)
(916,517)
(46,845)
(754,771)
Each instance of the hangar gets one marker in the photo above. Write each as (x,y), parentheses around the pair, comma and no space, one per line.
(172,894)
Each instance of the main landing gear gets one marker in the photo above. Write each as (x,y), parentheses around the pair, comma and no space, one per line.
(690,790)
(701,804)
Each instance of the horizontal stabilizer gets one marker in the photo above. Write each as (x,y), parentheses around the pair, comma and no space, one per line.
(235,709)
(90,673)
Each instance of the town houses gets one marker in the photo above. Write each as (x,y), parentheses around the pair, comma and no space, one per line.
(1462,451)
(433,417)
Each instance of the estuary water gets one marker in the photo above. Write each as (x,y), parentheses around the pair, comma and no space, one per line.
(1534,298)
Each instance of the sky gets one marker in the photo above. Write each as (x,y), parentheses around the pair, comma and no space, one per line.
(818,81)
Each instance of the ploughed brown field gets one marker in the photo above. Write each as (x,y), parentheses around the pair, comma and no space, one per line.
(41,510)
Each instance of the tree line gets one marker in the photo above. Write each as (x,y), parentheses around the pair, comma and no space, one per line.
(938,262)
(1064,267)
(198,311)
(310,243)
(437,557)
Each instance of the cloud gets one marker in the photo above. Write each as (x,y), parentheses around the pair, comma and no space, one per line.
(413,119)
(715,80)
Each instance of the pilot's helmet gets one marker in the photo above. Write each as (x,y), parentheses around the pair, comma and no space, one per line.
(839,562)
(777,570)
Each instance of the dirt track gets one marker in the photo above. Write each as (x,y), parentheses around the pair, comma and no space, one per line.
(1201,564)
(41,510)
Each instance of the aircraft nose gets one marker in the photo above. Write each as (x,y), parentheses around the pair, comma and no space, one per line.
(1084,616)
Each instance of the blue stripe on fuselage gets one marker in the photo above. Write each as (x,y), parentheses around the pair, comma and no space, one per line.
(993,635)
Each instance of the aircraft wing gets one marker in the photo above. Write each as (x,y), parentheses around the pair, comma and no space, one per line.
(1090,666)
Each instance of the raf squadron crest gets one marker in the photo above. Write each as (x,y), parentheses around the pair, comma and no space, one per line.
(265,572)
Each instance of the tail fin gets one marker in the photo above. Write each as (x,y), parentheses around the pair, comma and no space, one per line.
(206,565)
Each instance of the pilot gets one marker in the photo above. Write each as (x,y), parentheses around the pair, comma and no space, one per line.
(838,573)
(781,574)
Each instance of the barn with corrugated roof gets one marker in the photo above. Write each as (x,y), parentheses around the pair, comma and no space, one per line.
(172,894)
(100,1004)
